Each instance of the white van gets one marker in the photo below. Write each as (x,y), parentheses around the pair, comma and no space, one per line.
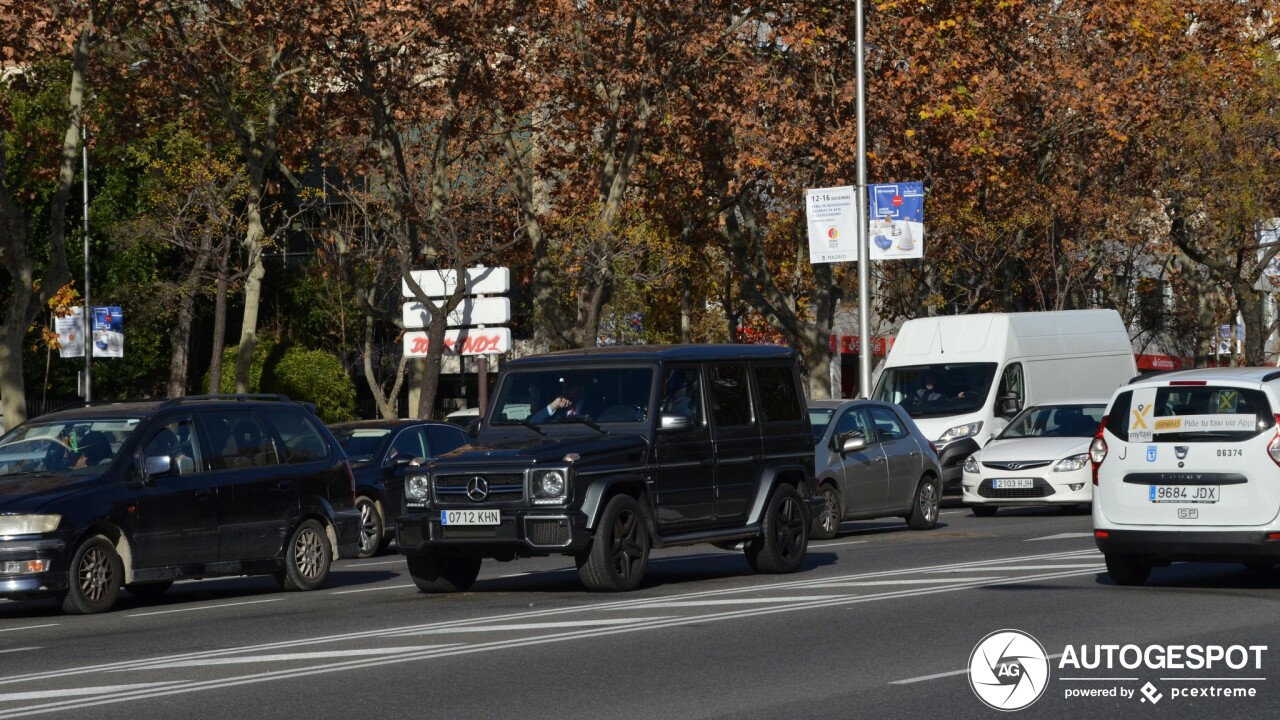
(1187,467)
(963,377)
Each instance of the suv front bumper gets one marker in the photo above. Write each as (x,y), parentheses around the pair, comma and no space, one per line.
(544,532)
(1186,545)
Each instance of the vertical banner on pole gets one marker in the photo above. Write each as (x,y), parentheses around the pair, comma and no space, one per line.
(897,220)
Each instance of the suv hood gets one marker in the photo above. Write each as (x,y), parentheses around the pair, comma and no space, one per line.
(511,449)
(28,492)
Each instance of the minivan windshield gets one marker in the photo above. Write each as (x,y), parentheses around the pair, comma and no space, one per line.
(566,395)
(79,447)
(937,390)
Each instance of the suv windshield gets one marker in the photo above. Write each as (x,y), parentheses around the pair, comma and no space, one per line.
(598,395)
(1078,421)
(78,447)
(936,390)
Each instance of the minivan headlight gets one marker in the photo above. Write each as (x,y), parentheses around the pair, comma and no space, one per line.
(417,487)
(971,464)
(960,432)
(28,524)
(1073,463)
(549,486)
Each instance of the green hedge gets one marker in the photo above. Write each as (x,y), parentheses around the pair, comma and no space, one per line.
(312,376)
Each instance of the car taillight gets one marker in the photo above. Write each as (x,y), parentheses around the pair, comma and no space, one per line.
(1098,449)
(1274,448)
(351,480)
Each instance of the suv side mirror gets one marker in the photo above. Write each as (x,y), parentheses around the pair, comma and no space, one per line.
(1010,405)
(675,422)
(154,465)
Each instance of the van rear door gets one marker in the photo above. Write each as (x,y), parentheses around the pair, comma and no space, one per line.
(1189,454)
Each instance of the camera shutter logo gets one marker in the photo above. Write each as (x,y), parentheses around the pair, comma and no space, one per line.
(1008,670)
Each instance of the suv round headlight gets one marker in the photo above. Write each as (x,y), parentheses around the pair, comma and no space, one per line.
(549,484)
(417,487)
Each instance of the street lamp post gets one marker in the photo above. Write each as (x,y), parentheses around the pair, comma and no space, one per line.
(864,252)
(88,309)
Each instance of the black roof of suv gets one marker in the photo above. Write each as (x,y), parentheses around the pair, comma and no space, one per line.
(604,453)
(139,494)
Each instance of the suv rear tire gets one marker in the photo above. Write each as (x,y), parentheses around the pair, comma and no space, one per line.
(619,552)
(784,534)
(1128,569)
(435,572)
(307,558)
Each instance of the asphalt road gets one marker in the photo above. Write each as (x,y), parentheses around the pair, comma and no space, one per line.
(881,622)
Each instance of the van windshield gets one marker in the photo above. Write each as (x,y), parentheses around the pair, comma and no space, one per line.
(937,390)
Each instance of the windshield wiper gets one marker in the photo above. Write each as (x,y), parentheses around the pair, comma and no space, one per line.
(588,423)
(532,426)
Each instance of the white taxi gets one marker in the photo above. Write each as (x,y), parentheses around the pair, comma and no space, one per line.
(1186,467)
(1040,458)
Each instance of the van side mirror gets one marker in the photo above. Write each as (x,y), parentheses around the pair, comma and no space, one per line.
(1010,405)
(674,422)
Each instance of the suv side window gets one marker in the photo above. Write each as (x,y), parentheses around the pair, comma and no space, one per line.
(888,425)
(682,394)
(778,399)
(302,442)
(237,439)
(729,395)
(176,439)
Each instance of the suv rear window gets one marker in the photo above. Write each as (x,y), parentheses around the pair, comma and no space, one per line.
(1189,413)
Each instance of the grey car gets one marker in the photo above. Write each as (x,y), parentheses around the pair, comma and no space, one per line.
(871,462)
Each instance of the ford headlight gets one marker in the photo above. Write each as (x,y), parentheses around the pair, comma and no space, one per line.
(960,432)
(1073,463)
(549,486)
(28,524)
(971,464)
(418,487)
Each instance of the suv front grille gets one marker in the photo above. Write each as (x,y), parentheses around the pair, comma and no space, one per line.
(502,487)
(1040,489)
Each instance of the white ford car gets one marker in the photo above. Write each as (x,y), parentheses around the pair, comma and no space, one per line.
(1187,467)
(1040,458)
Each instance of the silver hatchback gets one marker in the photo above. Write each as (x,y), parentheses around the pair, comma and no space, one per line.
(872,461)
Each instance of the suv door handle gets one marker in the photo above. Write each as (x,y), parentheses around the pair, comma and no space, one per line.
(880,459)
(204,494)
(708,462)
(285,485)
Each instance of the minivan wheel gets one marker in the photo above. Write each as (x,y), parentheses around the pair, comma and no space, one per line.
(307,558)
(1127,569)
(784,534)
(828,522)
(434,572)
(619,552)
(924,510)
(372,527)
(94,578)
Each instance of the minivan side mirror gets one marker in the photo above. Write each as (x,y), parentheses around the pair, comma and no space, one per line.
(154,465)
(674,422)
(1010,405)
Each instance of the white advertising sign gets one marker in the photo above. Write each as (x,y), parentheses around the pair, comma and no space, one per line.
(461,341)
(70,330)
(471,311)
(480,281)
(832,215)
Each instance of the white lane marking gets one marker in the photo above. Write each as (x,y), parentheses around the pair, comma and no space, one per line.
(735,601)
(1061,536)
(926,581)
(79,692)
(294,657)
(847,542)
(401,561)
(538,626)
(23,649)
(30,627)
(935,676)
(1019,567)
(953,512)
(962,583)
(197,685)
(203,607)
(372,589)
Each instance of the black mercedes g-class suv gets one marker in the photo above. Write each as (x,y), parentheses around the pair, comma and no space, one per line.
(601,454)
